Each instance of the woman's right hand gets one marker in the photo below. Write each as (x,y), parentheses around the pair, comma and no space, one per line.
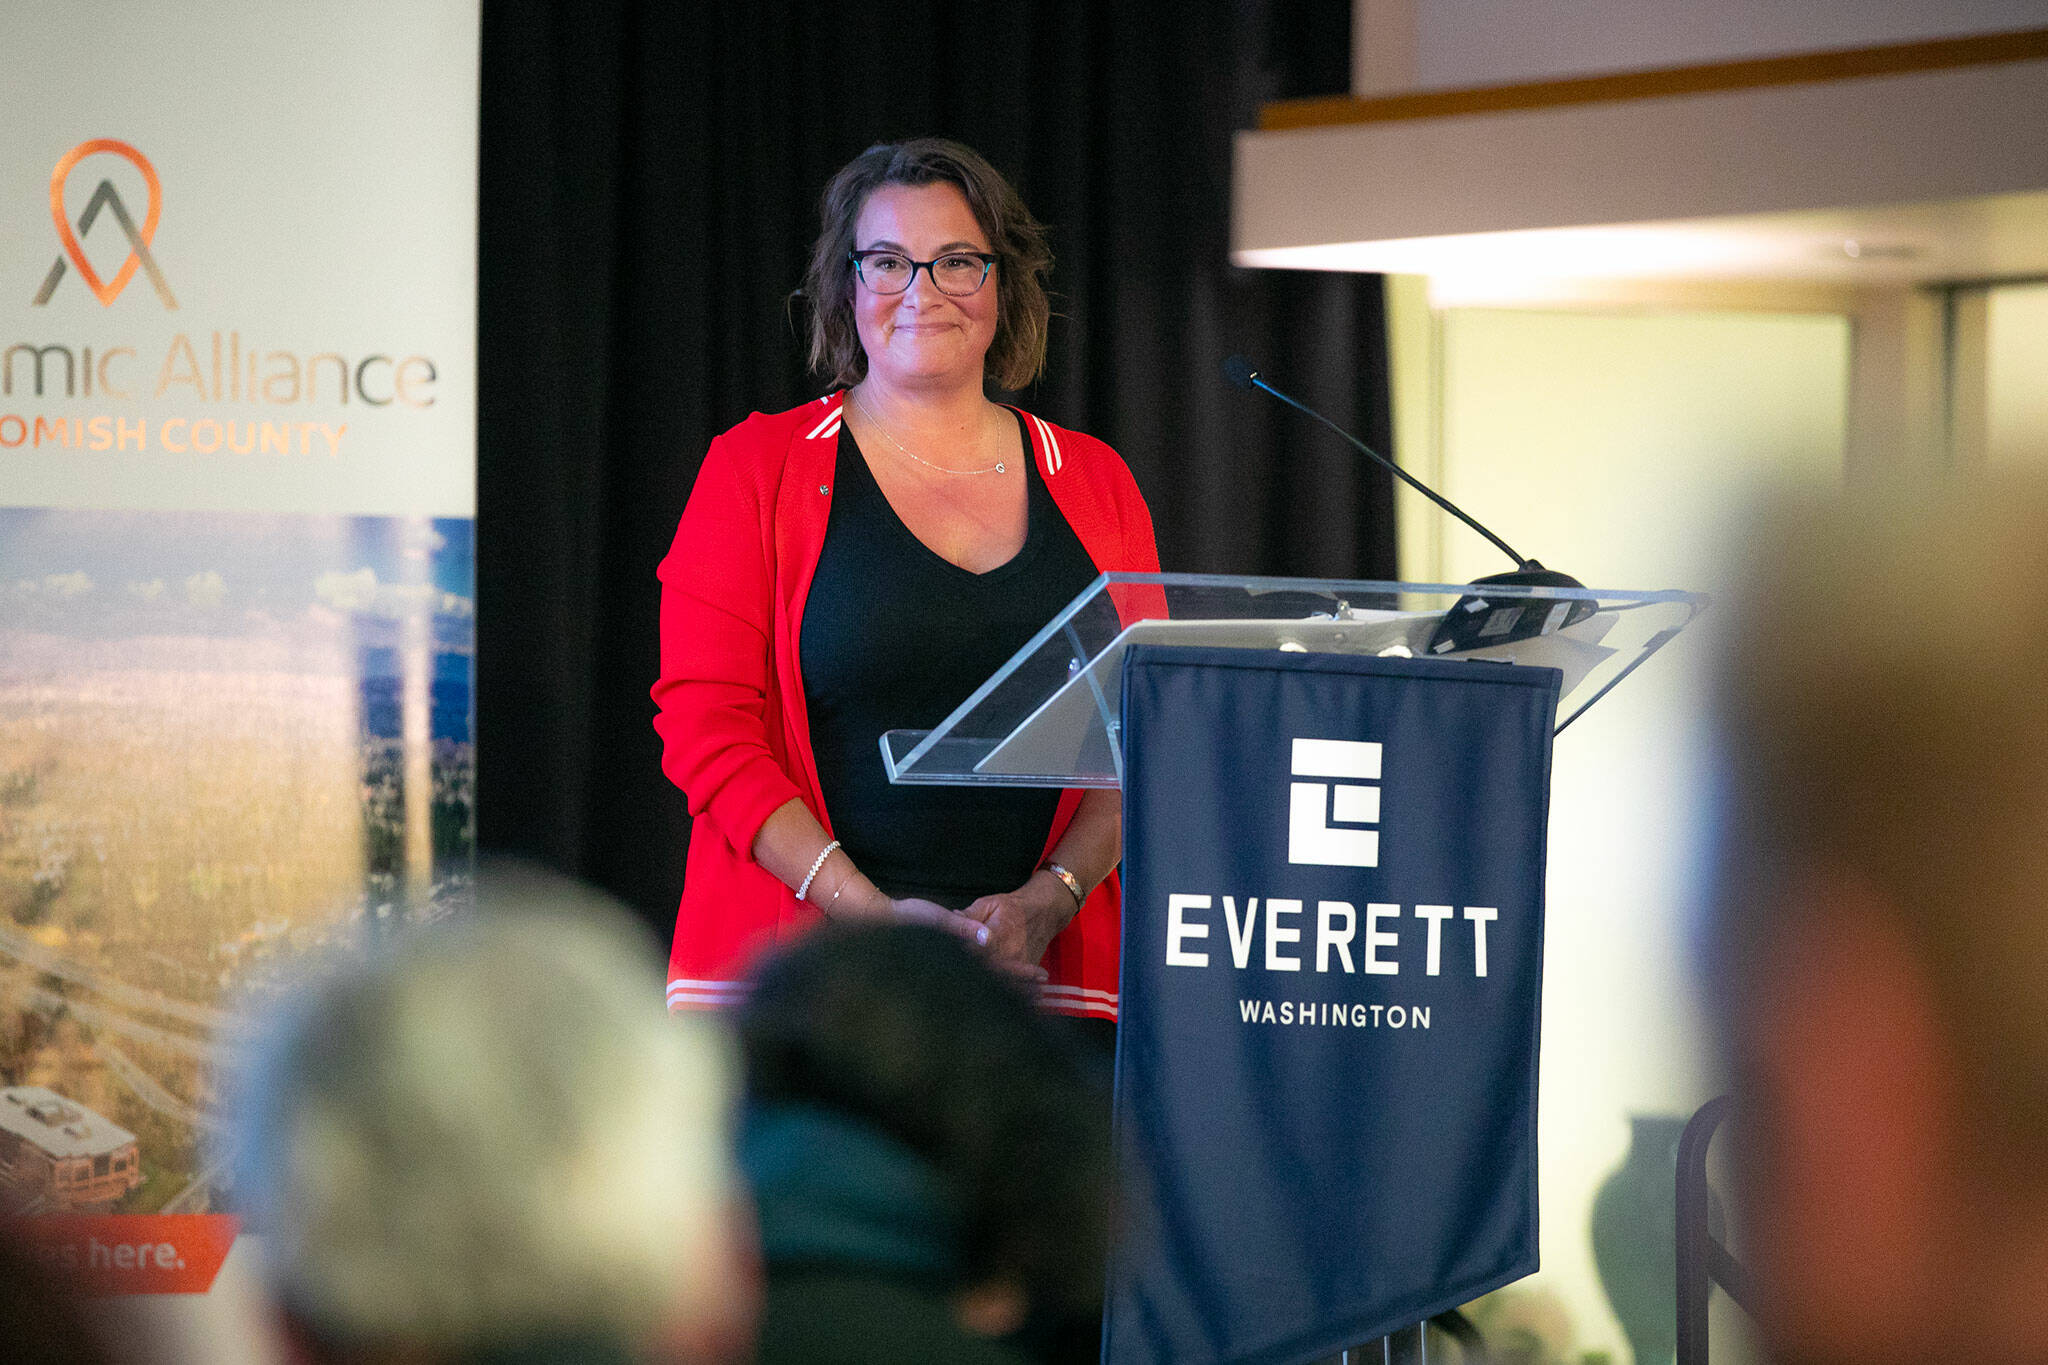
(917,910)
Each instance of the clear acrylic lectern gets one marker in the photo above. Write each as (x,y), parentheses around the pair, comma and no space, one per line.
(1049,717)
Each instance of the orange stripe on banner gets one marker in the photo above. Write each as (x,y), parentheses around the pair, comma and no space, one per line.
(132,1253)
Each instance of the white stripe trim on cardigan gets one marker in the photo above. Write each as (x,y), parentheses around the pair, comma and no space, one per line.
(1088,1007)
(830,419)
(1051,443)
(685,992)
(1106,997)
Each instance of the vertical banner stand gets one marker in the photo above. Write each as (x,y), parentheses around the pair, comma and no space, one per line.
(1330,980)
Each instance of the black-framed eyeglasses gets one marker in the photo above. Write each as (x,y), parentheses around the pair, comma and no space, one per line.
(958,273)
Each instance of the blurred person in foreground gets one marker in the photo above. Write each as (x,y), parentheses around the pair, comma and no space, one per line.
(929,1156)
(1882,944)
(44,1319)
(487,1142)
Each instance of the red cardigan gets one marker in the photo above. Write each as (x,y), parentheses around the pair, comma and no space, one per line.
(734,732)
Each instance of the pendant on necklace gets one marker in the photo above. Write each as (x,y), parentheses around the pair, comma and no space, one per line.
(1002,468)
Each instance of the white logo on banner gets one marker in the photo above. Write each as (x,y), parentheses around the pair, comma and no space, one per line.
(1322,817)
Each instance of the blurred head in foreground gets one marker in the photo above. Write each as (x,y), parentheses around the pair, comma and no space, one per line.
(490,1138)
(43,1318)
(1882,966)
(921,1136)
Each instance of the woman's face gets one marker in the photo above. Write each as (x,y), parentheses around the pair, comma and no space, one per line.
(921,335)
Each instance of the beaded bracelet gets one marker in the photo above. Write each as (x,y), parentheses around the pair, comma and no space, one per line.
(823,854)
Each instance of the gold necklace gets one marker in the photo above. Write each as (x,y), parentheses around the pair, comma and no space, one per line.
(999,467)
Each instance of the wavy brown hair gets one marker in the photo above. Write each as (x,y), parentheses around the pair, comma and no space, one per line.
(1017,355)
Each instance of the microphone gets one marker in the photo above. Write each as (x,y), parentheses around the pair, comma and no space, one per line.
(1473,622)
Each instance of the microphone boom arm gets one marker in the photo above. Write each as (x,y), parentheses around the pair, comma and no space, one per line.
(1254,378)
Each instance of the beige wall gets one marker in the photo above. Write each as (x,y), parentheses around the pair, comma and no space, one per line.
(1618,446)
(1620,441)
(1618,437)
(2016,377)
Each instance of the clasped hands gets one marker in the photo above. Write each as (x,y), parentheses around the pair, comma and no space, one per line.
(1012,927)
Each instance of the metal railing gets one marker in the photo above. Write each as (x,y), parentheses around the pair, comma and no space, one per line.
(1703,1261)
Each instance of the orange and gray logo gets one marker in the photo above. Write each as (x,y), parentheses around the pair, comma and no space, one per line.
(108,198)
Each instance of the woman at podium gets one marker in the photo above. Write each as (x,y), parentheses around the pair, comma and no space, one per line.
(863,563)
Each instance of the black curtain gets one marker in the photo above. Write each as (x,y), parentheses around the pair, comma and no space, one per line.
(649,177)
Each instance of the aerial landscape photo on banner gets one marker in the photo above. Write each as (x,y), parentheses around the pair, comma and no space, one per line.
(227,741)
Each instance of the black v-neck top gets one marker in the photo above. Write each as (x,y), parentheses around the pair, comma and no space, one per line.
(895,637)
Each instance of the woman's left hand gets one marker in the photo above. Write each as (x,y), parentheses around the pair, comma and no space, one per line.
(1023,922)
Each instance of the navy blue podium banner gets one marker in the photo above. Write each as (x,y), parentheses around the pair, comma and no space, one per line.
(1332,975)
